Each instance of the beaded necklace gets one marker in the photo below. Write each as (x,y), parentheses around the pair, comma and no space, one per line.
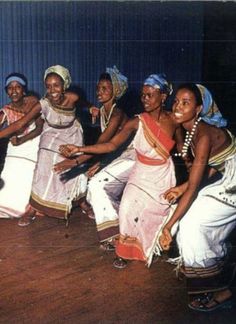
(188,139)
(105,117)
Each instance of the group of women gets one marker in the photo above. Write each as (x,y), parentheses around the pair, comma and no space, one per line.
(134,199)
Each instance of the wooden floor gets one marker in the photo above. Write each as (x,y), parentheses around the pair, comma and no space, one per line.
(54,274)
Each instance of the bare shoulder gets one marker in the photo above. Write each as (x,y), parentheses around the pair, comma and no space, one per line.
(31,100)
(169,116)
(30,103)
(71,98)
(132,123)
(117,112)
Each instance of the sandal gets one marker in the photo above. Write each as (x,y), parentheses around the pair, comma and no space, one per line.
(203,301)
(26,220)
(86,209)
(119,263)
(108,247)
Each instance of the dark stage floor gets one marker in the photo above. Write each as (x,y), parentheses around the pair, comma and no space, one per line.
(54,274)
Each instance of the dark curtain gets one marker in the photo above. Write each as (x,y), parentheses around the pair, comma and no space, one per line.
(138,37)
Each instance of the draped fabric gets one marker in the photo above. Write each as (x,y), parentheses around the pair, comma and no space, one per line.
(143,209)
(140,37)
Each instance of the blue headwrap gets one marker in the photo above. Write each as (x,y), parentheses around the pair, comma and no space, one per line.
(158,81)
(119,81)
(210,112)
(15,78)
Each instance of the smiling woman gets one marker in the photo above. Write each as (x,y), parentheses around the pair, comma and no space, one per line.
(206,216)
(143,208)
(49,195)
(22,148)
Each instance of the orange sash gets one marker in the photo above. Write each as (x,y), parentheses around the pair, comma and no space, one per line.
(154,135)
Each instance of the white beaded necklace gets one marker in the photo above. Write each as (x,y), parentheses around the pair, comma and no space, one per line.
(188,139)
(105,117)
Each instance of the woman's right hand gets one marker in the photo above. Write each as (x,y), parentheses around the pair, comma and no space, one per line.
(165,239)
(69,150)
(94,111)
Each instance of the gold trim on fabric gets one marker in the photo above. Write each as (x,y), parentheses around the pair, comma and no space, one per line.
(191,272)
(48,203)
(61,109)
(221,157)
(108,224)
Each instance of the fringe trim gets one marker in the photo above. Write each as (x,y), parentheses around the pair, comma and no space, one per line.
(156,249)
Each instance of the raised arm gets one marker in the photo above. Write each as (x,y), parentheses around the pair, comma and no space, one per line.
(130,127)
(16,126)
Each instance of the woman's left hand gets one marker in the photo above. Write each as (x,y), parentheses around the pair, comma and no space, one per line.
(165,239)
(93,169)
(64,165)
(15,140)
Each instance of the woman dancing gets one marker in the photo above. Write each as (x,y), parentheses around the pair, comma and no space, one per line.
(207,216)
(22,149)
(50,195)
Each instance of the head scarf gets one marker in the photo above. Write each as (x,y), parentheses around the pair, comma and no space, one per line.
(158,81)
(210,112)
(119,82)
(62,72)
(15,77)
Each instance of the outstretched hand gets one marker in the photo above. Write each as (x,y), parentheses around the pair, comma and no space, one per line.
(93,169)
(172,194)
(64,165)
(68,150)
(165,239)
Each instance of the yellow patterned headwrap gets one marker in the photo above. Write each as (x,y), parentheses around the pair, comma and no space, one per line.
(62,72)
(119,81)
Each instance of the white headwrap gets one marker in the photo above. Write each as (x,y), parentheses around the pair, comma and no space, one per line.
(62,72)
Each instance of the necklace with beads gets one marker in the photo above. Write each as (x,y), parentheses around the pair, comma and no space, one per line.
(188,139)
(105,117)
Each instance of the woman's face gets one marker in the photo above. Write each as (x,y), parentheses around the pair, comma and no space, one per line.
(15,91)
(104,91)
(185,107)
(151,98)
(55,88)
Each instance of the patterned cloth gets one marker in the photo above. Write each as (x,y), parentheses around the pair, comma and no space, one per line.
(143,208)
(210,112)
(119,82)
(158,81)
(105,190)
(50,194)
(62,72)
(204,229)
(20,160)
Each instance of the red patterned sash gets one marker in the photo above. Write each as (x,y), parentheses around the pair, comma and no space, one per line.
(154,135)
